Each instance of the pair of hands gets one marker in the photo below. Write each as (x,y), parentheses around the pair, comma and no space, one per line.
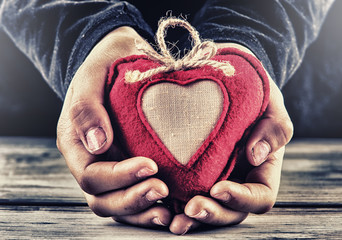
(125,189)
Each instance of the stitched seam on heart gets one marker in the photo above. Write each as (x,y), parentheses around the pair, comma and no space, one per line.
(257,65)
(259,68)
(206,142)
(114,72)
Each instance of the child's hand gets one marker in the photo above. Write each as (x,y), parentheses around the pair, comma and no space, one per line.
(231,202)
(122,190)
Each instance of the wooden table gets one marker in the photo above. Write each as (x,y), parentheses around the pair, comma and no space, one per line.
(39,199)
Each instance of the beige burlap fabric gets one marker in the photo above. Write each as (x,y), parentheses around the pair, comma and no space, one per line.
(183,116)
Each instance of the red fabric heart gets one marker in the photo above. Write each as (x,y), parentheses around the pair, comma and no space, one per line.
(246,96)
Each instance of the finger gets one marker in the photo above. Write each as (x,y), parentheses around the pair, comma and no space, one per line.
(152,217)
(84,102)
(207,210)
(128,201)
(83,106)
(95,176)
(259,194)
(181,224)
(100,177)
(272,132)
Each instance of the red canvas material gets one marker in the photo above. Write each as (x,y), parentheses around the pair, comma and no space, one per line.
(246,96)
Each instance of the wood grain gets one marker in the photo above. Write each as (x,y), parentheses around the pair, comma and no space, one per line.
(312,173)
(33,170)
(24,222)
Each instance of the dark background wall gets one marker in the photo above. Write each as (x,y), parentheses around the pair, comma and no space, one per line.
(314,95)
(28,107)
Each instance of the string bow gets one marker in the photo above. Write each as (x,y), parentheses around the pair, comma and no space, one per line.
(199,56)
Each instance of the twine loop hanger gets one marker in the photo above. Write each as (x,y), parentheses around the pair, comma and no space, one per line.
(199,56)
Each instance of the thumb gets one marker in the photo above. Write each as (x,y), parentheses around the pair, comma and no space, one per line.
(92,125)
(84,103)
(84,107)
(273,131)
(267,137)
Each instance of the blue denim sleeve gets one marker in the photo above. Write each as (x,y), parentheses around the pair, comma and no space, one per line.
(277,31)
(58,35)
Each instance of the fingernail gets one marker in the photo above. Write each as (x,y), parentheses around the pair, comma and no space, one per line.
(157,221)
(187,228)
(96,138)
(200,215)
(144,172)
(260,152)
(153,196)
(223,196)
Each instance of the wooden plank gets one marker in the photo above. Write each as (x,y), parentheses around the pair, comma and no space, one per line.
(33,171)
(23,222)
(312,172)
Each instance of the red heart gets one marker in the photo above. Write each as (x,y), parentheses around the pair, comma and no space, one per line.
(245,98)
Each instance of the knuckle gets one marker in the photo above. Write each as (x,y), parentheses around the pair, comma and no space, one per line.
(137,205)
(261,200)
(144,160)
(160,211)
(283,130)
(158,185)
(134,201)
(288,130)
(58,144)
(64,137)
(119,219)
(139,162)
(86,184)
(267,206)
(199,200)
(153,183)
(243,206)
(61,134)
(96,207)
(83,116)
(78,111)
(240,220)
(61,149)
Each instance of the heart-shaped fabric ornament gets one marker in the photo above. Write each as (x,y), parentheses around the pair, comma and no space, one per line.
(191,116)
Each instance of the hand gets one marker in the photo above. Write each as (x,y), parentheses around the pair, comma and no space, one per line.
(124,189)
(231,202)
